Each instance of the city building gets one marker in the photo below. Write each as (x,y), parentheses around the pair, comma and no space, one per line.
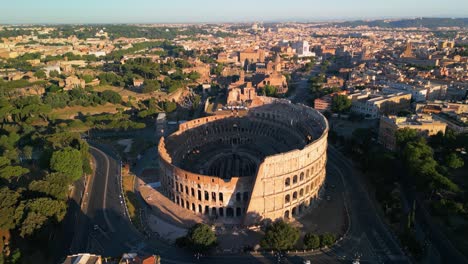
(424,124)
(324,103)
(302,48)
(372,106)
(84,258)
(251,56)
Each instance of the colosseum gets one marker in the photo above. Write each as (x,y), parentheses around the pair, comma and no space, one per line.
(265,163)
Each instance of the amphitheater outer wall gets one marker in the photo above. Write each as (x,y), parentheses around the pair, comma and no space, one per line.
(285,184)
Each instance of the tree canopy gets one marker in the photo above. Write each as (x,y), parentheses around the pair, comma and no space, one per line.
(280,236)
(200,238)
(311,241)
(453,161)
(67,161)
(340,103)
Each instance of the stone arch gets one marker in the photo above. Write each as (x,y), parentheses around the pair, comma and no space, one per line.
(229,212)
(294,179)
(287,199)
(286,214)
(294,196)
(301,176)
(301,193)
(287,182)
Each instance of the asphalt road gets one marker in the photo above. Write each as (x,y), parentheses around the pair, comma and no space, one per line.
(368,236)
(105,229)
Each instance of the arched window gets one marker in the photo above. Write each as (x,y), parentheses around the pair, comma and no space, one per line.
(294,195)
(214,212)
(301,193)
(307,189)
(287,182)
(301,177)
(287,199)
(295,179)
(286,214)
(245,196)
(238,211)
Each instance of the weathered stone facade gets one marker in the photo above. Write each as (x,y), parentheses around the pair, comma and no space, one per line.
(267,164)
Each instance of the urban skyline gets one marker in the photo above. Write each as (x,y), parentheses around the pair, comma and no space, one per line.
(181,11)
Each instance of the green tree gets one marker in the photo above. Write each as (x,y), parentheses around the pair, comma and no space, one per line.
(27,152)
(67,161)
(88,78)
(201,238)
(9,172)
(453,161)
(40,74)
(311,241)
(270,90)
(8,202)
(405,135)
(193,76)
(39,212)
(111,97)
(280,236)
(54,184)
(54,74)
(327,239)
(31,223)
(150,86)
(340,103)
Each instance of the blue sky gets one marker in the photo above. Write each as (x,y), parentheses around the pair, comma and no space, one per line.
(160,11)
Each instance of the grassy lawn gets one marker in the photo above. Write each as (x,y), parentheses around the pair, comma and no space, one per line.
(72,112)
(131,199)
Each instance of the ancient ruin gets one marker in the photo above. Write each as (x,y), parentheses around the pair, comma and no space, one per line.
(266,163)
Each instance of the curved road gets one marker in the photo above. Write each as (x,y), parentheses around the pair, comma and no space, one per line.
(103,227)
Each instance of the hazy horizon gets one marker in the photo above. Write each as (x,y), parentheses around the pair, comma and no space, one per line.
(211,11)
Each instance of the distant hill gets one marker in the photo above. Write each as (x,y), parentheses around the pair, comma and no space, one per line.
(408,23)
